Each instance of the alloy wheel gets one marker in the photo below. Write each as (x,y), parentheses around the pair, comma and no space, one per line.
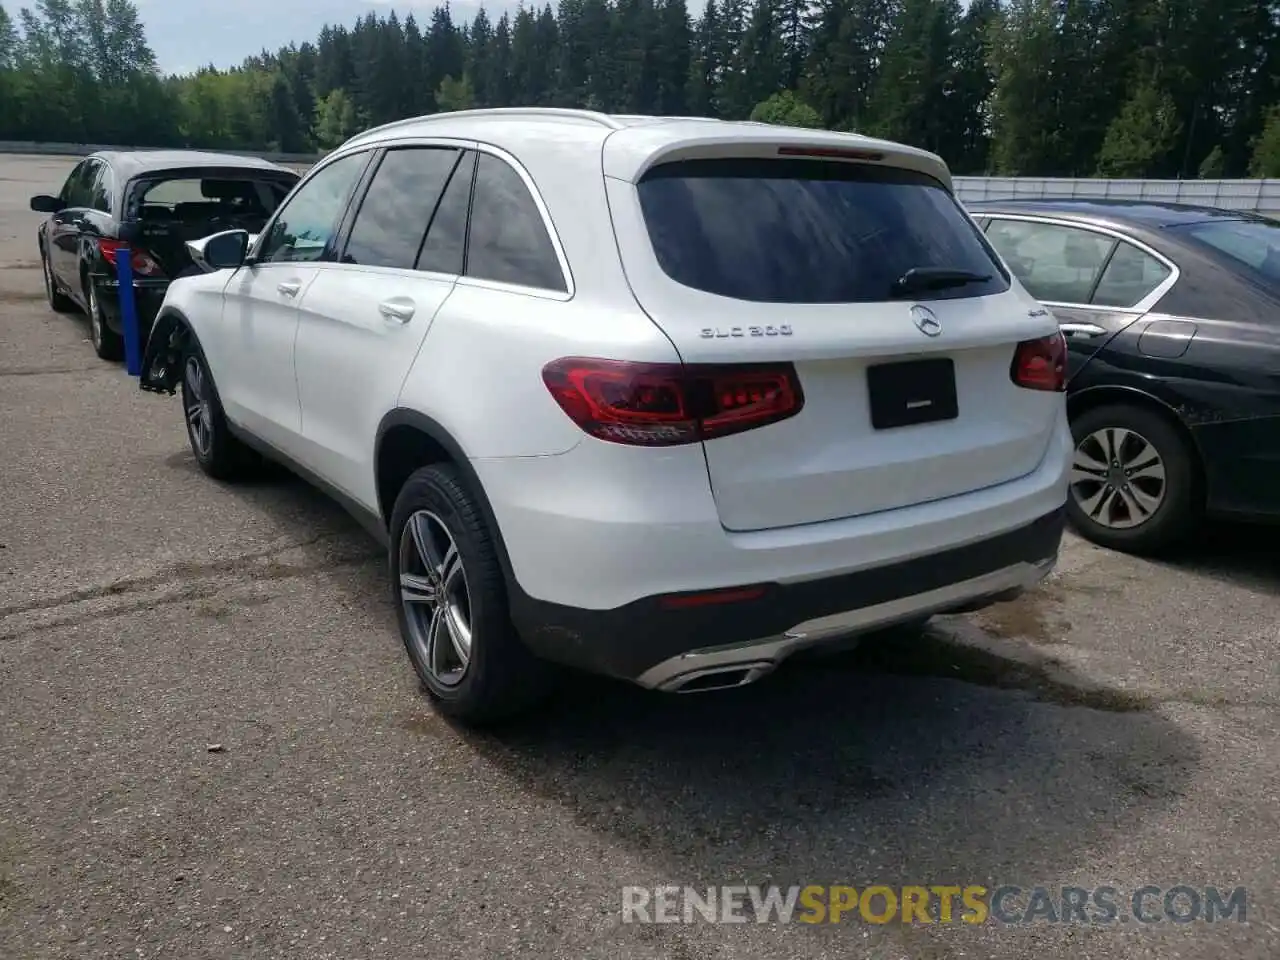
(436,598)
(1118,478)
(95,316)
(195,399)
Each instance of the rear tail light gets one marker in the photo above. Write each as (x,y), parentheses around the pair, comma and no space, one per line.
(665,404)
(1041,364)
(142,263)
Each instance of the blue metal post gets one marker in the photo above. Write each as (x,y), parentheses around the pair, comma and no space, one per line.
(129,313)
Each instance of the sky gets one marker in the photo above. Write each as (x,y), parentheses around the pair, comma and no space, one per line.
(188,34)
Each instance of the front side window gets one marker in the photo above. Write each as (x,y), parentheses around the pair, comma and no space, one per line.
(809,231)
(307,223)
(1056,264)
(508,238)
(394,214)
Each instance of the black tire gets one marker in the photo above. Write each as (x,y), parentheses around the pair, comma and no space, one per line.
(217,451)
(501,677)
(59,302)
(1178,509)
(107,344)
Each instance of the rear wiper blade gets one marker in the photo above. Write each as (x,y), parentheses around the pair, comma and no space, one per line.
(922,279)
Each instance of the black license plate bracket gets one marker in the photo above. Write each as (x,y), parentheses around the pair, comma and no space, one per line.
(912,392)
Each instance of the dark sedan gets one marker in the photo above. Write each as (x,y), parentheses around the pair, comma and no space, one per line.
(152,202)
(1172,318)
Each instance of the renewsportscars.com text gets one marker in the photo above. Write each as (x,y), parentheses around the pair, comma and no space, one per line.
(1007,904)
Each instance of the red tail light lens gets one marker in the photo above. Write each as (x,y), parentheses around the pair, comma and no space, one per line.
(142,263)
(1041,364)
(665,404)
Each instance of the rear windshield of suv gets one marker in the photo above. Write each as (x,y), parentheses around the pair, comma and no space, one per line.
(808,231)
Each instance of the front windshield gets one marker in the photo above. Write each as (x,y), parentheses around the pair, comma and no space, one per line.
(1254,244)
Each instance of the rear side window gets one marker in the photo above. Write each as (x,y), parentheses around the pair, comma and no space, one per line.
(446,245)
(1130,276)
(508,240)
(100,193)
(393,217)
(78,190)
(808,231)
(1056,264)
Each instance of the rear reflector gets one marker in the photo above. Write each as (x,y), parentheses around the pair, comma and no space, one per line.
(830,153)
(684,601)
(665,404)
(1041,364)
(142,263)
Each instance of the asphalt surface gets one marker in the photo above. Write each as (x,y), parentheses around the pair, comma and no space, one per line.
(212,745)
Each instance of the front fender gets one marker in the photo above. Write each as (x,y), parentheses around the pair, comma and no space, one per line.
(162,361)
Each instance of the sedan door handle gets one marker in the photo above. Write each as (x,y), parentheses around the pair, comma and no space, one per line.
(289,288)
(1081,329)
(399,309)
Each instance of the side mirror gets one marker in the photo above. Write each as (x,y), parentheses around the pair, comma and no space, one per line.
(47,204)
(221,251)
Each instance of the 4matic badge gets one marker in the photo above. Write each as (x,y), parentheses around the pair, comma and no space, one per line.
(709,333)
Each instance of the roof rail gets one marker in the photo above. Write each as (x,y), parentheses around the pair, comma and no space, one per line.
(563,112)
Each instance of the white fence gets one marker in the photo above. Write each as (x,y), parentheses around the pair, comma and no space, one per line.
(1259,196)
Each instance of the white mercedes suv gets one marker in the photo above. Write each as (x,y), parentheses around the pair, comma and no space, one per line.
(661,398)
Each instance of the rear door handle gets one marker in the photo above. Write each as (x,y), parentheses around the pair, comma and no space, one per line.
(400,309)
(289,288)
(1081,329)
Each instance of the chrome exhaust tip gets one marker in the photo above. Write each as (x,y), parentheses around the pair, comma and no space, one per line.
(718,678)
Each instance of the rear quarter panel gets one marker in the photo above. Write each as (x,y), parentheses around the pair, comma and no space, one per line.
(1225,388)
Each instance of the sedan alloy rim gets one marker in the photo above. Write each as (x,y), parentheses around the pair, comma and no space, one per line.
(436,598)
(95,317)
(1117,478)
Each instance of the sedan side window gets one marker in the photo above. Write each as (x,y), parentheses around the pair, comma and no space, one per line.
(1129,277)
(1056,264)
(76,191)
(100,191)
(508,239)
(398,205)
(307,223)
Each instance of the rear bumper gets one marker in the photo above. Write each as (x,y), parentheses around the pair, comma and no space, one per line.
(148,295)
(1242,458)
(667,642)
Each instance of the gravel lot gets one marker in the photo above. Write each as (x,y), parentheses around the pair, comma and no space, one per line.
(1117,727)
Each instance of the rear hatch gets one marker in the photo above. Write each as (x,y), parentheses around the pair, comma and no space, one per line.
(165,209)
(907,389)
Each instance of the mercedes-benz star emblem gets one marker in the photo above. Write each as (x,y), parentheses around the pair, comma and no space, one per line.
(926,321)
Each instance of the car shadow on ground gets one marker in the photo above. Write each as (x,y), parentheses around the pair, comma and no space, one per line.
(910,759)
(1235,553)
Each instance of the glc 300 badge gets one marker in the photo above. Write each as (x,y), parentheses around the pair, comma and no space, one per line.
(710,333)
